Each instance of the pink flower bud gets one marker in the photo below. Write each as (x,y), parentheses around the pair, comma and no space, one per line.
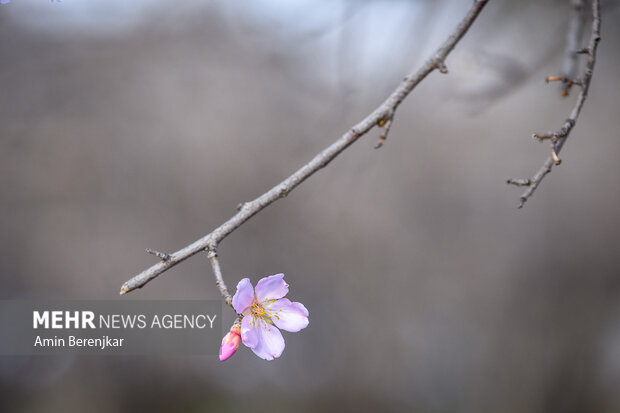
(230,342)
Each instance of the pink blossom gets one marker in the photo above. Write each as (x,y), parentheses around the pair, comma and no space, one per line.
(265,310)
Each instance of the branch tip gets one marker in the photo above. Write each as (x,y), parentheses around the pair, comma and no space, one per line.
(556,160)
(552,136)
(161,255)
(519,182)
(553,79)
(380,142)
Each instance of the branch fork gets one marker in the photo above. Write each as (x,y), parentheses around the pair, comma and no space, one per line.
(441,66)
(385,123)
(567,83)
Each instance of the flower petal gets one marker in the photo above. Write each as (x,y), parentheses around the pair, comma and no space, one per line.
(249,335)
(271,288)
(271,343)
(244,295)
(264,339)
(289,316)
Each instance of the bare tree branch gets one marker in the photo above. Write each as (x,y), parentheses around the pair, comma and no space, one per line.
(381,116)
(558,138)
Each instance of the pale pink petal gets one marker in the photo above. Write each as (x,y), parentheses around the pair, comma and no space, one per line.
(270,341)
(289,316)
(271,288)
(244,295)
(249,335)
(264,339)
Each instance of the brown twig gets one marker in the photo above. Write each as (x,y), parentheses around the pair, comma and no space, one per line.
(559,138)
(248,209)
(567,83)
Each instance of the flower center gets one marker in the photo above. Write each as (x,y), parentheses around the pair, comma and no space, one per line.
(258,310)
(260,313)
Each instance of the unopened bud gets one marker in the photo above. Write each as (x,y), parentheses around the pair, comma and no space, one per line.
(230,342)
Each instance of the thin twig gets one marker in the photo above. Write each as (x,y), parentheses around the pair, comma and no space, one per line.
(161,255)
(574,35)
(217,272)
(249,209)
(559,138)
(519,182)
(567,83)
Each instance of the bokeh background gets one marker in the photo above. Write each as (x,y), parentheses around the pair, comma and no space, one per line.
(127,125)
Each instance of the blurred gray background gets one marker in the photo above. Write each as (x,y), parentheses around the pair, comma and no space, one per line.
(127,126)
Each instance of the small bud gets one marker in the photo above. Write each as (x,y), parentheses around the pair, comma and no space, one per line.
(230,342)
